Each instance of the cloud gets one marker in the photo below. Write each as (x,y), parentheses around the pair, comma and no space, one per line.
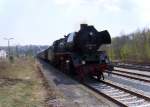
(68,2)
(143,7)
(86,11)
(109,5)
(29,19)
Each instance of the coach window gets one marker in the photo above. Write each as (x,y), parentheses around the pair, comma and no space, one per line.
(71,36)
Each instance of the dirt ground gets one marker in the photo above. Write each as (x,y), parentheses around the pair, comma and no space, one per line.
(22,85)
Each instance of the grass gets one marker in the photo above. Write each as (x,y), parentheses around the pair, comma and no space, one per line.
(21,84)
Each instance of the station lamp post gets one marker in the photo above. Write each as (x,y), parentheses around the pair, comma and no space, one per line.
(8,41)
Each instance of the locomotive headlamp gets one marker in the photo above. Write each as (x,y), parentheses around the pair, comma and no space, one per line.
(91,33)
(83,62)
(67,61)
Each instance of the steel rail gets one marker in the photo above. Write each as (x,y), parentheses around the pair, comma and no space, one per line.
(133,67)
(128,91)
(106,96)
(131,77)
(133,73)
(119,103)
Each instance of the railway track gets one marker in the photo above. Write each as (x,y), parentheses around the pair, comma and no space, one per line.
(118,95)
(121,96)
(132,75)
(136,67)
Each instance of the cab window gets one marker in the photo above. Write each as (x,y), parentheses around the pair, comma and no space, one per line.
(70,37)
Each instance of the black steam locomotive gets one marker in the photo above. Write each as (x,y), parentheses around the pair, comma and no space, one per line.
(77,53)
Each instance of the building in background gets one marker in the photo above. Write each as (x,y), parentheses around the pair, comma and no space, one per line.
(3,54)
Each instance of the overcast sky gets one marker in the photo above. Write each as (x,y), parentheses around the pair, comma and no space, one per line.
(43,21)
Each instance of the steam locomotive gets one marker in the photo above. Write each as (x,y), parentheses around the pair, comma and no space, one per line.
(77,53)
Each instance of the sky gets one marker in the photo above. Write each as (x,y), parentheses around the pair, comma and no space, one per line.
(40,22)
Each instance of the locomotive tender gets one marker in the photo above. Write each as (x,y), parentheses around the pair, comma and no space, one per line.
(77,53)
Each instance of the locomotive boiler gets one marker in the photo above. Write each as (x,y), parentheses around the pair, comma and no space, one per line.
(77,53)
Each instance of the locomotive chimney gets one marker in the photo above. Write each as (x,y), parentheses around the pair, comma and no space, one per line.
(83,26)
